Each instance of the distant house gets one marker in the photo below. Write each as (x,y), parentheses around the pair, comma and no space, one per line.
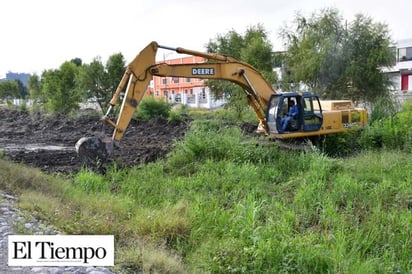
(183,90)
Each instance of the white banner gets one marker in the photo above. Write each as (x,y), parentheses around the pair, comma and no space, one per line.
(60,250)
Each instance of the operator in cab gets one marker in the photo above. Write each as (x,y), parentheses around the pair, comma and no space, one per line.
(292,114)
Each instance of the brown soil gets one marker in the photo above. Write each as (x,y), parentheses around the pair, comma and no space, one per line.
(47,141)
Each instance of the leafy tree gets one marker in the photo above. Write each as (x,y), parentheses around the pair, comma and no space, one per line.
(254,48)
(339,59)
(77,61)
(368,48)
(9,89)
(91,80)
(13,88)
(315,55)
(35,88)
(22,89)
(59,87)
(100,82)
(115,68)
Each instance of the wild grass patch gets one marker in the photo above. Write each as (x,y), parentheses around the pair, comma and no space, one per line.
(220,204)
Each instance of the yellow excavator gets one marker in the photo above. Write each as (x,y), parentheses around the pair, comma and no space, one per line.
(313,117)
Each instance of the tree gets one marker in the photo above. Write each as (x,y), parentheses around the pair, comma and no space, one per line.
(91,80)
(59,87)
(314,54)
(100,82)
(337,59)
(22,89)
(115,68)
(254,48)
(9,89)
(77,61)
(368,48)
(35,89)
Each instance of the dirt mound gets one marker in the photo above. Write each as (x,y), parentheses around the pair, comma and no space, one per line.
(47,141)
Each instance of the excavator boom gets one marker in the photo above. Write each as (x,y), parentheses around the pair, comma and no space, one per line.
(141,70)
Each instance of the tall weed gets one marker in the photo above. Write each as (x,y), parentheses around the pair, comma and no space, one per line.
(220,204)
(393,132)
(91,182)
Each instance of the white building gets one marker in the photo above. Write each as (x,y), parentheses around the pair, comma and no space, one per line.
(402,70)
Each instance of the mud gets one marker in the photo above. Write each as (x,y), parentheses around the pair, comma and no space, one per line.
(47,141)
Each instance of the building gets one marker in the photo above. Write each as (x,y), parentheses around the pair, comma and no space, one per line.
(23,77)
(403,67)
(401,72)
(184,90)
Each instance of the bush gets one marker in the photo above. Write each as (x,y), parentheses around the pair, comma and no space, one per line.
(150,107)
(392,132)
(342,144)
(89,181)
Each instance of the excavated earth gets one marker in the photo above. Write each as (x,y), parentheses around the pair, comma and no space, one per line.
(47,141)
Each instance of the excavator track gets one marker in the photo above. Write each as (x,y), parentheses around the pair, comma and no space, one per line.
(293,144)
(288,144)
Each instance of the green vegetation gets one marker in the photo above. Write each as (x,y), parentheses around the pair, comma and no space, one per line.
(100,81)
(12,89)
(151,107)
(219,203)
(252,47)
(334,58)
(58,88)
(337,58)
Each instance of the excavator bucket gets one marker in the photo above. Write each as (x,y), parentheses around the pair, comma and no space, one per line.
(92,150)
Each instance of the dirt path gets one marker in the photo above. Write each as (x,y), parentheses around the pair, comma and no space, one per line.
(47,141)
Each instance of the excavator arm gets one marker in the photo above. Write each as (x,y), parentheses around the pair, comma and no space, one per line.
(142,69)
(140,72)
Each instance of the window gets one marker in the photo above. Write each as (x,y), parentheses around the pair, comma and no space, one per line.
(203,93)
(188,80)
(405,54)
(393,50)
(164,81)
(308,105)
(175,80)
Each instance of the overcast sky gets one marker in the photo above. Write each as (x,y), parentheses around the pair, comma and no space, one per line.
(41,34)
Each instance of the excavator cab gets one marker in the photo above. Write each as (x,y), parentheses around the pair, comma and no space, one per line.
(309,117)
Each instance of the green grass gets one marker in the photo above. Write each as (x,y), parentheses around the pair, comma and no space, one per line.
(220,204)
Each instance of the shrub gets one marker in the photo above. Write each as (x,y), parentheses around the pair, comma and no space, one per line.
(342,144)
(150,107)
(392,132)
